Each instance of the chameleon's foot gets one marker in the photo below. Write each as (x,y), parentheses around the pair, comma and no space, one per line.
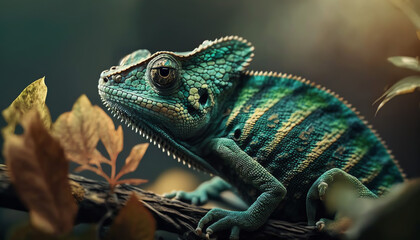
(322,223)
(322,189)
(221,219)
(198,197)
(325,183)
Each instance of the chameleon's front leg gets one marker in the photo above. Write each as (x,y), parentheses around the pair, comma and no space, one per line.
(250,172)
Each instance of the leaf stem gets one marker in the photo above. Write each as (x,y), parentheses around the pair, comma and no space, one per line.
(113,166)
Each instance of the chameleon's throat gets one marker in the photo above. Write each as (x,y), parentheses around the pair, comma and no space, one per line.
(161,139)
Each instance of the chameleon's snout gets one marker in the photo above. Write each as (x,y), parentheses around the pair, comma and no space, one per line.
(102,81)
(103,78)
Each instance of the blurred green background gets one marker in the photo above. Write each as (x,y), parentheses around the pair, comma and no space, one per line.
(340,44)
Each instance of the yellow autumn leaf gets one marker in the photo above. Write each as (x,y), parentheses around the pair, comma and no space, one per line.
(404,86)
(33,96)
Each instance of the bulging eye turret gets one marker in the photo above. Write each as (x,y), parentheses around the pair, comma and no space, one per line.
(163,72)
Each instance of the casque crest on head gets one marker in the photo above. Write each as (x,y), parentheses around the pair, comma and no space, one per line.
(141,56)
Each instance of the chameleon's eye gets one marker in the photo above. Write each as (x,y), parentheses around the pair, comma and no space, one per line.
(163,77)
(163,72)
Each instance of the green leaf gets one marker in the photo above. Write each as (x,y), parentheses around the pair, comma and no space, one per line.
(133,222)
(33,96)
(404,86)
(405,62)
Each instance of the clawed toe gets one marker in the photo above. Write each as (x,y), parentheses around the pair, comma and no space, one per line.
(320,225)
(218,219)
(322,189)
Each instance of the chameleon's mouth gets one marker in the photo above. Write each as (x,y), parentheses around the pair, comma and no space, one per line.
(157,136)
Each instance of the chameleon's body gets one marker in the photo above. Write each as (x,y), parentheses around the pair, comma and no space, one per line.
(262,133)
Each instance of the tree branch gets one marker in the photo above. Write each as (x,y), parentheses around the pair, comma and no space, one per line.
(171,215)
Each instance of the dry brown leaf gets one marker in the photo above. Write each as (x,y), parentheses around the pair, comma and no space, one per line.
(33,96)
(404,86)
(98,158)
(111,138)
(80,130)
(133,160)
(77,132)
(133,222)
(96,170)
(39,170)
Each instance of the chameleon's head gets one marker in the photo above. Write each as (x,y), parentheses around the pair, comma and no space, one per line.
(171,95)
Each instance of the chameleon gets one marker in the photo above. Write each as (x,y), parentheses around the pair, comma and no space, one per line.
(276,140)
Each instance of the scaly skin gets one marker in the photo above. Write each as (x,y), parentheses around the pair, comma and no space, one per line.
(276,140)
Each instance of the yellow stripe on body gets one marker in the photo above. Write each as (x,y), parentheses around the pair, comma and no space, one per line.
(273,97)
(295,119)
(355,157)
(327,140)
(245,95)
(258,112)
(382,190)
(371,176)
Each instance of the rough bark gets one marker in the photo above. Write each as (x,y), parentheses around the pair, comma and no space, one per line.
(171,215)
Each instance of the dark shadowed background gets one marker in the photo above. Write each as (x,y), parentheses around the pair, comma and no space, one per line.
(340,44)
